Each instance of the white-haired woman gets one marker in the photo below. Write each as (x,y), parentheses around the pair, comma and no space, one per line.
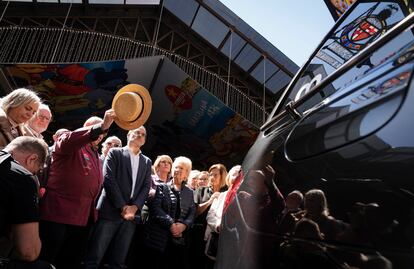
(17,108)
(172,212)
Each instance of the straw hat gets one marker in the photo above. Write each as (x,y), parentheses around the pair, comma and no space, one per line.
(132,105)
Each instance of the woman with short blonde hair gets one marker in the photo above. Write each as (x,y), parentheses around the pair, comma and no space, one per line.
(172,212)
(162,167)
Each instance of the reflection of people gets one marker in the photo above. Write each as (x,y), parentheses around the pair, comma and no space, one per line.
(286,220)
(120,202)
(17,108)
(260,200)
(67,209)
(172,213)
(316,209)
(19,216)
(306,251)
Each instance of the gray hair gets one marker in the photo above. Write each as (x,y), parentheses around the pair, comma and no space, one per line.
(28,144)
(43,106)
(112,138)
(17,98)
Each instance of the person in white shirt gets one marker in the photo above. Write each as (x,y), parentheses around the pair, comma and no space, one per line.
(127,179)
(215,213)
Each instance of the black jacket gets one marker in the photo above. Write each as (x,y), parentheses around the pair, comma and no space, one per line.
(162,211)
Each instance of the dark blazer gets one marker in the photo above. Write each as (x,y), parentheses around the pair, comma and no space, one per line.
(162,211)
(118,183)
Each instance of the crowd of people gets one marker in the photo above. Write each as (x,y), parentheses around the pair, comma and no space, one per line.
(70,206)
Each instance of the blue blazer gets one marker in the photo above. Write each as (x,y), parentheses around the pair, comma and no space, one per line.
(117,184)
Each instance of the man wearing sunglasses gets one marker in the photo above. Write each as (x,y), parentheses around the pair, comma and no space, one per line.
(110,142)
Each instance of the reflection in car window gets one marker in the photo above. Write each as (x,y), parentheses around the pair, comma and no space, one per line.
(365,24)
(377,63)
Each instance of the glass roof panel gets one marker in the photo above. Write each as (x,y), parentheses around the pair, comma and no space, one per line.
(237,44)
(270,68)
(104,1)
(247,57)
(278,81)
(71,1)
(142,2)
(209,27)
(183,9)
(47,1)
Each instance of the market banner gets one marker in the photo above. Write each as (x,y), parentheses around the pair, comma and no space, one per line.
(186,119)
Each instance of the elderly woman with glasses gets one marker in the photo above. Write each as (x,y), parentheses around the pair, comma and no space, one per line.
(17,108)
(172,213)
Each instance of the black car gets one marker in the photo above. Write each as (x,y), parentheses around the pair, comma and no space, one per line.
(342,135)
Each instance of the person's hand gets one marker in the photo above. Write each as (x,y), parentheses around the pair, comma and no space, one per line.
(177,229)
(108,119)
(218,227)
(214,196)
(129,211)
(174,230)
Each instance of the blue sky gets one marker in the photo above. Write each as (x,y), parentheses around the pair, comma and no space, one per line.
(294,27)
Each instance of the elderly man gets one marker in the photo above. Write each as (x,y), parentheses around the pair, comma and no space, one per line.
(19,217)
(39,123)
(127,180)
(67,209)
(110,142)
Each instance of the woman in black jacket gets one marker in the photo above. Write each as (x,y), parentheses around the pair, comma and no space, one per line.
(171,214)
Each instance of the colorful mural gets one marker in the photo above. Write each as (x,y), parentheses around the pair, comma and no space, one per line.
(186,119)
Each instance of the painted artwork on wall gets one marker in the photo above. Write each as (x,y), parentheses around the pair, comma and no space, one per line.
(186,119)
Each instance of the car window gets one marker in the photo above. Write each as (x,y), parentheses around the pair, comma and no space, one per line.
(364,24)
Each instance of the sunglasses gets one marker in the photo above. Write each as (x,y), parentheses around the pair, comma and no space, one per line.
(112,144)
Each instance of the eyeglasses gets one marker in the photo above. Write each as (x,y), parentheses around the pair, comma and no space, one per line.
(113,144)
(140,134)
(165,162)
(43,118)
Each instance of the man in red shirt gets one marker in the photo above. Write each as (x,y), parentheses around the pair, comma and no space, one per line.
(67,209)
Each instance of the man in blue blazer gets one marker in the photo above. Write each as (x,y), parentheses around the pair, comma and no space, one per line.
(127,179)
